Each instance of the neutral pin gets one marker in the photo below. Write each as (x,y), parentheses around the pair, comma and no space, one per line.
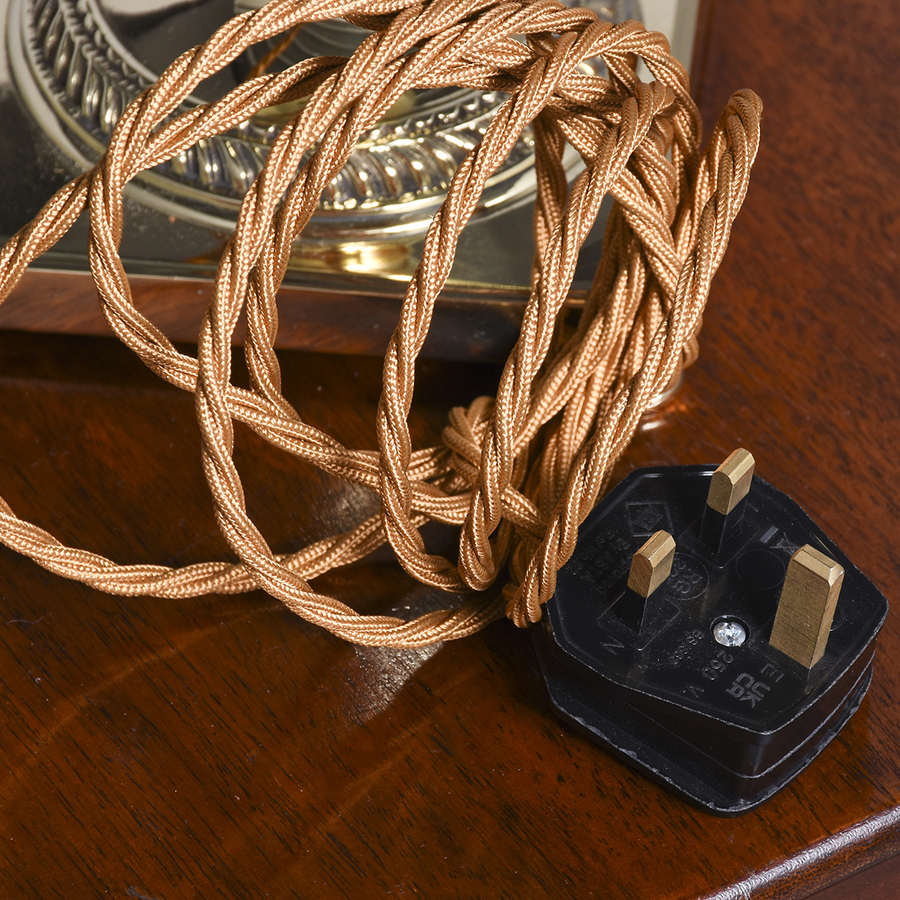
(651,565)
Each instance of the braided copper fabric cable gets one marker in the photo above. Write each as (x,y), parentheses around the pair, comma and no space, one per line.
(518,472)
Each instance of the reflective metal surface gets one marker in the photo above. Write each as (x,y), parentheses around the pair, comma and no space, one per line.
(71,66)
(88,59)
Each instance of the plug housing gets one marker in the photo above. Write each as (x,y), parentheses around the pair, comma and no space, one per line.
(681,674)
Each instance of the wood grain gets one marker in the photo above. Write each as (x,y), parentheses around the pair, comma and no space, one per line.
(470,322)
(221,747)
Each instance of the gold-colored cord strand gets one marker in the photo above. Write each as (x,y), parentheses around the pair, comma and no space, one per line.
(517,473)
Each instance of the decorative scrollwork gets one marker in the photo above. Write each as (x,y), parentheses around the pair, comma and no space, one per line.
(89,76)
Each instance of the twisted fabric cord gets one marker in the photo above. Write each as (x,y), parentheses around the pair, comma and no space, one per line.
(517,473)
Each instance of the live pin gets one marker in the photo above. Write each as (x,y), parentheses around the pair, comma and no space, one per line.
(728,489)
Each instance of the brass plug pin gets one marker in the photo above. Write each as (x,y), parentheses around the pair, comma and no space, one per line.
(728,488)
(730,483)
(650,567)
(807,604)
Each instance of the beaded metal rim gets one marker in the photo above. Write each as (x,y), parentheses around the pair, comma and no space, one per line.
(77,77)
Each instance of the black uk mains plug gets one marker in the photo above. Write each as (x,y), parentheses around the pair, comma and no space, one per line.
(708,632)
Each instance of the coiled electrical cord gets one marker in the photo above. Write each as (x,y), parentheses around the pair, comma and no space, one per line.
(516,473)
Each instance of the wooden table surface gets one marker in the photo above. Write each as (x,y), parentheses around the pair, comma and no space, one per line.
(221,747)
